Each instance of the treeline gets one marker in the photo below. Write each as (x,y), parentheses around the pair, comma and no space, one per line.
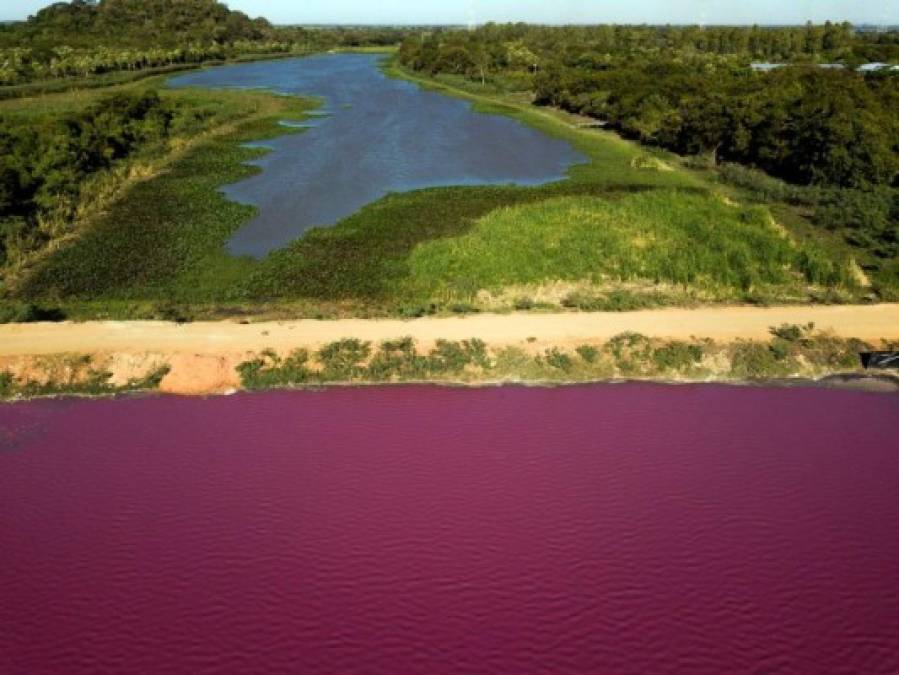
(832,132)
(806,125)
(44,164)
(84,38)
(20,65)
(689,90)
(503,47)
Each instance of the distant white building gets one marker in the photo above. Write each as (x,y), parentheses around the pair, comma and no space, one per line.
(872,67)
(866,68)
(765,67)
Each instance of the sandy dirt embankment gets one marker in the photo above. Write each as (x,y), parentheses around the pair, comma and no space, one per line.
(203,355)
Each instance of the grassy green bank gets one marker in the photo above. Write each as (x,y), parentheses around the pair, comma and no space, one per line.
(629,228)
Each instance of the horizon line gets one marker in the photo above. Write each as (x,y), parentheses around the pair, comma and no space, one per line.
(466,24)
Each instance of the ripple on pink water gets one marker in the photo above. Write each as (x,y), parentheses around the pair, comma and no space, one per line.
(615,529)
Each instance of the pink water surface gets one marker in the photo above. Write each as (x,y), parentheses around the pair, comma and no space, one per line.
(604,529)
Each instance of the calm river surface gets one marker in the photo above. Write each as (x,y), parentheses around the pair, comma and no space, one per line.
(613,529)
(379,135)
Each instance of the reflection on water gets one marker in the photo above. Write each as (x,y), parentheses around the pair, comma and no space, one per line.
(613,529)
(379,135)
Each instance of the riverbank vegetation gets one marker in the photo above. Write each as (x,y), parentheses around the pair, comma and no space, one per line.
(110,207)
(71,375)
(792,351)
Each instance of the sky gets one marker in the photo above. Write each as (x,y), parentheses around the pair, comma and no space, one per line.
(545,11)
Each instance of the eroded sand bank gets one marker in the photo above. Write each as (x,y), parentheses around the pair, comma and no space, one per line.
(203,355)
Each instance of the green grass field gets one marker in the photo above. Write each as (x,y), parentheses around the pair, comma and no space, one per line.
(667,237)
(627,218)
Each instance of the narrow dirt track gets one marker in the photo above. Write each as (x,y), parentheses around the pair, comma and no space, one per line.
(868,322)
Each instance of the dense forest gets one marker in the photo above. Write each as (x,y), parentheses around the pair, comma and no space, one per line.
(816,123)
(43,165)
(84,38)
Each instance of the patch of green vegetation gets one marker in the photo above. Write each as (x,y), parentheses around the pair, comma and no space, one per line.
(754,359)
(343,361)
(677,356)
(673,237)
(397,359)
(352,360)
(7,384)
(631,352)
(793,349)
(150,381)
(618,300)
(588,353)
(269,371)
(21,312)
(791,332)
(862,223)
(455,357)
(78,376)
(629,355)
(555,358)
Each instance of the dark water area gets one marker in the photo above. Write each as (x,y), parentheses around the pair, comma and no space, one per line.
(601,529)
(378,135)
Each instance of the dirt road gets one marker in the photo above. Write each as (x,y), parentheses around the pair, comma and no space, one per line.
(870,322)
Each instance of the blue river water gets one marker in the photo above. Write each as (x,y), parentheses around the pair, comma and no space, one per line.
(374,135)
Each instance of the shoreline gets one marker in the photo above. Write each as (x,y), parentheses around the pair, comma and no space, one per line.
(857,382)
(730,345)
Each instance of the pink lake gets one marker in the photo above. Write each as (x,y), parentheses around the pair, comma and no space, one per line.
(596,529)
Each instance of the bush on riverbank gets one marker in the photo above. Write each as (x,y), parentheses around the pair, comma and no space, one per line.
(793,351)
(270,371)
(74,375)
